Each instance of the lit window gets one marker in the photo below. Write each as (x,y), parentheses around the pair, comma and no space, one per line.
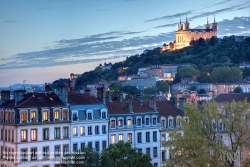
(120,137)
(129,122)
(33,116)
(112,139)
(74,131)
(24,117)
(82,131)
(45,116)
(130,137)
(33,134)
(23,135)
(120,123)
(112,124)
(56,115)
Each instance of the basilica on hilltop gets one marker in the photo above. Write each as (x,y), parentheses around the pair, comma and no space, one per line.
(184,35)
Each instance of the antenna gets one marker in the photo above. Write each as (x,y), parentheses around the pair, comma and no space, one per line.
(180,19)
(214,18)
(186,18)
(23,84)
(207,20)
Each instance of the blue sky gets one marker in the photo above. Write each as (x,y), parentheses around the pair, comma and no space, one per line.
(41,41)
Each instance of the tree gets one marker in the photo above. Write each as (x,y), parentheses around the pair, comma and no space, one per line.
(149,91)
(132,90)
(201,143)
(193,88)
(189,72)
(115,88)
(201,91)
(123,155)
(226,74)
(162,86)
(237,90)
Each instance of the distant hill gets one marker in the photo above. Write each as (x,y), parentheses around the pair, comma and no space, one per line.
(20,86)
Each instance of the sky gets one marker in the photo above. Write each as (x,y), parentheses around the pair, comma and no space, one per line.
(41,41)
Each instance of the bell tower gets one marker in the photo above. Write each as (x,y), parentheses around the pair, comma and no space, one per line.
(186,25)
(214,25)
(180,26)
(207,25)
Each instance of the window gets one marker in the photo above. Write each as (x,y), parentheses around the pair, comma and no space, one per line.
(155,152)
(74,116)
(33,155)
(97,146)
(23,135)
(112,124)
(120,137)
(24,117)
(112,139)
(1,134)
(148,151)
(46,134)
(147,136)
(96,129)
(154,121)
(90,144)
(82,146)
(33,116)
(89,116)
(120,123)
(104,144)
(103,115)
(103,129)
(56,115)
(12,136)
(186,120)
(147,121)
(75,147)
(74,131)
(129,123)
(90,130)
(170,123)
(178,122)
(33,135)
(163,123)
(154,135)
(23,155)
(139,137)
(65,132)
(57,133)
(130,137)
(82,131)
(45,116)
(155,164)
(138,121)
(220,126)
(45,152)
(57,151)
(65,149)
(139,150)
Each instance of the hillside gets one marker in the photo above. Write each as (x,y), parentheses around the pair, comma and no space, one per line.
(205,55)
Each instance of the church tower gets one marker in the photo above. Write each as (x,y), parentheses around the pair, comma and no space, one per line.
(180,26)
(214,25)
(207,25)
(186,25)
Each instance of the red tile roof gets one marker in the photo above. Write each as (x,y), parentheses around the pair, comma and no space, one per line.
(81,98)
(167,108)
(36,100)
(232,96)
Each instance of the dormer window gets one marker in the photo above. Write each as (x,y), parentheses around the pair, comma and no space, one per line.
(163,123)
(178,122)
(45,116)
(154,121)
(170,123)
(112,124)
(104,115)
(138,122)
(56,115)
(147,121)
(65,114)
(74,116)
(33,116)
(89,115)
(120,123)
(129,122)
(24,117)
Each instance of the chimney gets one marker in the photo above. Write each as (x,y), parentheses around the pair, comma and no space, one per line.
(120,95)
(19,95)
(5,96)
(99,94)
(128,104)
(48,88)
(63,93)
(152,103)
(104,94)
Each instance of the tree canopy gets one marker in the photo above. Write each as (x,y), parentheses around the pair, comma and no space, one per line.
(203,138)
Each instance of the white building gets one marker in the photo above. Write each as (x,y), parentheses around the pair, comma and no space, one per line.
(34,127)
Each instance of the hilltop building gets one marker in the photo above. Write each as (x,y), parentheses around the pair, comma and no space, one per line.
(184,35)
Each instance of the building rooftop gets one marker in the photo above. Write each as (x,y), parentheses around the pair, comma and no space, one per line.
(167,108)
(81,98)
(232,96)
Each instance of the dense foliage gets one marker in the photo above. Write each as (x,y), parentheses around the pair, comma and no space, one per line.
(205,56)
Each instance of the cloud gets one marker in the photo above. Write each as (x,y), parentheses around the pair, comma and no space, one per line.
(102,10)
(177,15)
(12,21)
(102,47)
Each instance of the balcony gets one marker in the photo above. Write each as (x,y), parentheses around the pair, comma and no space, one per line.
(24,140)
(65,136)
(65,119)
(57,119)
(33,120)
(45,138)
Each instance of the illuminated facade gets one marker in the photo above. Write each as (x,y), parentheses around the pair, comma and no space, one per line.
(184,35)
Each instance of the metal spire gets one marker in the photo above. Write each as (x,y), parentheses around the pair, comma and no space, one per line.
(207,20)
(180,19)
(186,18)
(214,18)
